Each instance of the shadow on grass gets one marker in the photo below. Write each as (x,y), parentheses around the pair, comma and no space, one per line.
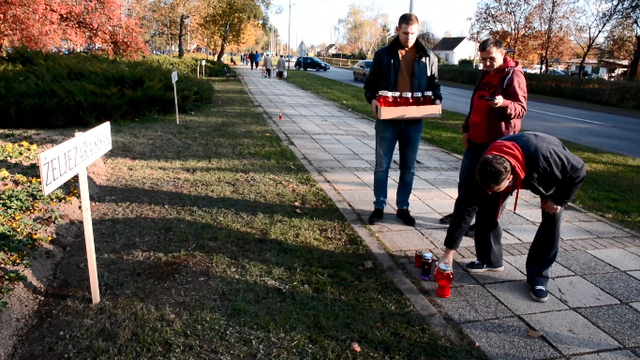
(231,293)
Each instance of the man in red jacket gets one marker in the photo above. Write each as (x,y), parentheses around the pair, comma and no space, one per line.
(498,104)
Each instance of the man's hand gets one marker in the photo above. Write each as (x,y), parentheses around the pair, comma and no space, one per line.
(374,108)
(465,137)
(550,207)
(447,257)
(437,102)
(497,102)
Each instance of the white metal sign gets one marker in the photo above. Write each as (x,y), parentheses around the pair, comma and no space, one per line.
(174,77)
(204,62)
(61,163)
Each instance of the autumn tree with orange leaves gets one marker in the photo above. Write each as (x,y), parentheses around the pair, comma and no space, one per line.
(54,24)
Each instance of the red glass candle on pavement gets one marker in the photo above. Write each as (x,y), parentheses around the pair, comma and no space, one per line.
(444,277)
(417,259)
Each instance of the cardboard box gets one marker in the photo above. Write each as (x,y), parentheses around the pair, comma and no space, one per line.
(409,112)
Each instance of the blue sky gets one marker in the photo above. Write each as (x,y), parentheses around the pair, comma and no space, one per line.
(312,19)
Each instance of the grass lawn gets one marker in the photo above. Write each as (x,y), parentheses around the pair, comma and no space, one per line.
(214,242)
(610,189)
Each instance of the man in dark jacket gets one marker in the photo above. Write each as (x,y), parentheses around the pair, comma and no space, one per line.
(541,164)
(252,59)
(405,65)
(498,103)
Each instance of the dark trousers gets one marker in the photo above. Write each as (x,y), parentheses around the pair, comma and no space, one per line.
(470,194)
(252,62)
(543,250)
(268,73)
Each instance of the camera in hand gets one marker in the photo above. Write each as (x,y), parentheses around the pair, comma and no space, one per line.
(490,98)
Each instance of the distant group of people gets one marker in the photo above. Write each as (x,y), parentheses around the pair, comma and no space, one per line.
(498,160)
(253,59)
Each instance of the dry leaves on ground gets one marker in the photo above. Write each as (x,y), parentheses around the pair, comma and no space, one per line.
(533,334)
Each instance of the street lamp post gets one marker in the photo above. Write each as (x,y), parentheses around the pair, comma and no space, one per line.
(289,40)
(411,6)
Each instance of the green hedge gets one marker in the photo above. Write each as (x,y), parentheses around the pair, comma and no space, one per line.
(346,63)
(46,90)
(596,91)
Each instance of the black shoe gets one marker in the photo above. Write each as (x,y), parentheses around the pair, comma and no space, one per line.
(539,293)
(405,216)
(471,232)
(477,266)
(446,219)
(376,216)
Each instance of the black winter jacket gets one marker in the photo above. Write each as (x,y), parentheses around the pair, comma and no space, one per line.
(551,171)
(383,74)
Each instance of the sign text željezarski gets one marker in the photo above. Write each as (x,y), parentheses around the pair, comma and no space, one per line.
(62,162)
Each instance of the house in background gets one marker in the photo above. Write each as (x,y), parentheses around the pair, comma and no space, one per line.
(454,49)
(573,65)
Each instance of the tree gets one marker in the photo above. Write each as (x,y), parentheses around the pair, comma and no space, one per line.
(619,43)
(225,20)
(363,27)
(73,24)
(631,10)
(551,28)
(426,36)
(595,17)
(506,20)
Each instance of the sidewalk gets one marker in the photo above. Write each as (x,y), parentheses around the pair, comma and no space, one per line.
(593,310)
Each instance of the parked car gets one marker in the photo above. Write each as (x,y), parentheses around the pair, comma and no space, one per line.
(361,70)
(308,62)
(557,72)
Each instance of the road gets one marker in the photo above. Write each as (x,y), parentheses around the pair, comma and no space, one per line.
(613,133)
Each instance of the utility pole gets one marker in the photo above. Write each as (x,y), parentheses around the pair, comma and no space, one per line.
(289,40)
(411,6)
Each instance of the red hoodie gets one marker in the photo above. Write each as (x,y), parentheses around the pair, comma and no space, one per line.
(485,124)
(513,154)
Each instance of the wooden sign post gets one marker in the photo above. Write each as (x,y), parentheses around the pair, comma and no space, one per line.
(174,78)
(198,75)
(61,163)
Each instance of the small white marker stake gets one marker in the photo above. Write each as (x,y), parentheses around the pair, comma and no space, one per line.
(203,63)
(174,78)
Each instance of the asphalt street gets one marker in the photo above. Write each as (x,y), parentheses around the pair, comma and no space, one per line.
(614,133)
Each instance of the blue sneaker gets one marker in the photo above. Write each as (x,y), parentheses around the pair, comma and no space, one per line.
(477,266)
(539,293)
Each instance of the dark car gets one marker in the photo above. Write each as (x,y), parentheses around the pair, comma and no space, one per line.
(557,72)
(308,62)
(361,70)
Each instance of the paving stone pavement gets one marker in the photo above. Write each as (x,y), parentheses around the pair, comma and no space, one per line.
(593,310)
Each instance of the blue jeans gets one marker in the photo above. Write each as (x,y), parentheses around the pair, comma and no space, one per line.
(407,134)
